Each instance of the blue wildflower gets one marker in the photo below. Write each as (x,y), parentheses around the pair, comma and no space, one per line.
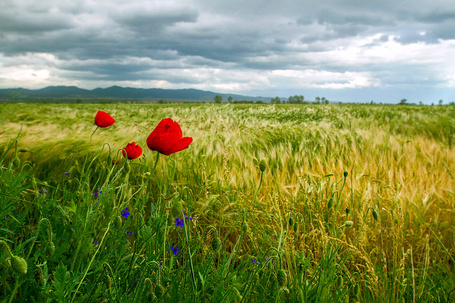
(187,216)
(129,233)
(42,191)
(255,261)
(67,174)
(125,213)
(97,193)
(179,222)
(175,250)
(95,242)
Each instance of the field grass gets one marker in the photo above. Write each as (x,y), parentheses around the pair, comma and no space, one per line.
(355,204)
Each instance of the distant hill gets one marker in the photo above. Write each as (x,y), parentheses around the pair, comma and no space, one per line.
(62,93)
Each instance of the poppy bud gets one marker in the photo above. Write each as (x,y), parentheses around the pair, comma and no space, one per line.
(340,281)
(237,295)
(118,222)
(330,203)
(23,150)
(126,167)
(348,223)
(216,243)
(17,161)
(262,165)
(19,265)
(356,290)
(41,278)
(348,210)
(345,174)
(177,209)
(291,221)
(281,277)
(296,227)
(244,227)
(109,159)
(50,249)
(159,290)
(149,289)
(375,215)
(34,185)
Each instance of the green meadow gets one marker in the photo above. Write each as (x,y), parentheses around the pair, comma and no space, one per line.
(280,203)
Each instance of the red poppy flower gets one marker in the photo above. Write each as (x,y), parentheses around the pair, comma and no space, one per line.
(132,151)
(167,139)
(103,119)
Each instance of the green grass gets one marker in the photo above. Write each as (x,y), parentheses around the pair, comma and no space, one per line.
(400,165)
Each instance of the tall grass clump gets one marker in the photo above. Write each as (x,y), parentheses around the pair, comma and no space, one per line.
(270,203)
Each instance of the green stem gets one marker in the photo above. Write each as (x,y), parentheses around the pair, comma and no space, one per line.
(93,133)
(91,261)
(16,286)
(277,251)
(257,191)
(189,254)
(7,248)
(361,228)
(154,167)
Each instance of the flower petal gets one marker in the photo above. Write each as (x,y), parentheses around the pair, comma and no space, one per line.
(164,136)
(103,119)
(181,144)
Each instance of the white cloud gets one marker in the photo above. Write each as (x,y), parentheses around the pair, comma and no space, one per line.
(325,79)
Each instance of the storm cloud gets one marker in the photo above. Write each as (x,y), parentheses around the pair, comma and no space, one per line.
(345,50)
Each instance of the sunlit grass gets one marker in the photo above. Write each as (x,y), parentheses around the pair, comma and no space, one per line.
(399,160)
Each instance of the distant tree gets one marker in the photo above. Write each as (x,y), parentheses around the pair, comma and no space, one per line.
(324,100)
(230,99)
(218,99)
(403,102)
(275,100)
(420,103)
(318,100)
(440,102)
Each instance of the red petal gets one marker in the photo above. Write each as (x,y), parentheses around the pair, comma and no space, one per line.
(103,119)
(164,136)
(179,145)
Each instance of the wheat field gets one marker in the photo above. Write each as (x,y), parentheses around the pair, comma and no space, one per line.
(355,203)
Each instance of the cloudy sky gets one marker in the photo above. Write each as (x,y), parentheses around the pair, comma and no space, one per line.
(345,50)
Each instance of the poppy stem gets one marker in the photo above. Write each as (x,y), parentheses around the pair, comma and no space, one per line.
(154,167)
(93,133)
(156,162)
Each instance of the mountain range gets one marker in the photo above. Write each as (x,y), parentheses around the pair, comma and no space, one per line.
(62,93)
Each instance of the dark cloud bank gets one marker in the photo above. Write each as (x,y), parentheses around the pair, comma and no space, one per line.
(344,50)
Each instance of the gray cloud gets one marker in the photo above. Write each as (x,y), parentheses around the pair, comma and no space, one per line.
(228,43)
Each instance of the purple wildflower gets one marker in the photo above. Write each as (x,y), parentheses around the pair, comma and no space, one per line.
(179,222)
(175,250)
(95,242)
(187,216)
(97,193)
(42,191)
(67,174)
(255,261)
(125,213)
(129,233)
